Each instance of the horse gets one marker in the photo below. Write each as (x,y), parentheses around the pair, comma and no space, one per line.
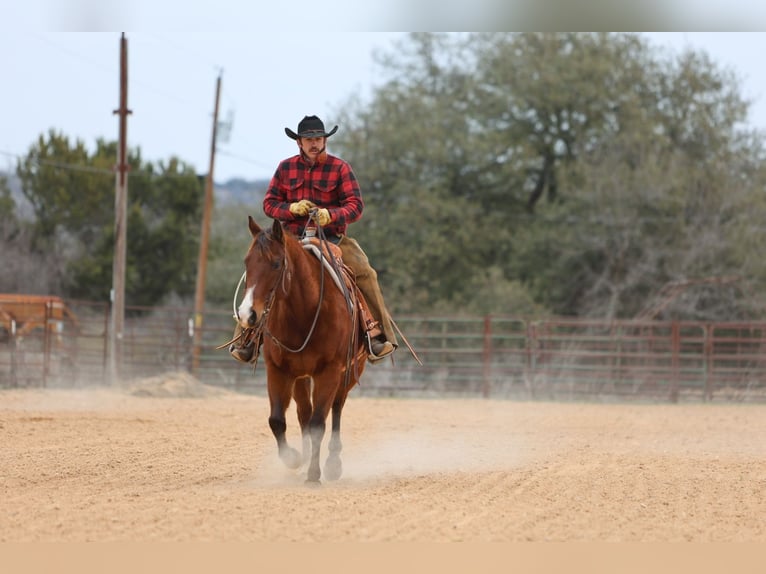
(312,345)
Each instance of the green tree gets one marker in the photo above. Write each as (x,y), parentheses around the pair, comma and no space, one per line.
(67,189)
(647,173)
(72,195)
(411,151)
(8,219)
(7,204)
(229,240)
(22,270)
(660,197)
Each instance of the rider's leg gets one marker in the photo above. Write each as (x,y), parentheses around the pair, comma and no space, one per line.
(367,281)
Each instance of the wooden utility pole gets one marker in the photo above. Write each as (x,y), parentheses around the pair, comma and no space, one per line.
(199,296)
(120,222)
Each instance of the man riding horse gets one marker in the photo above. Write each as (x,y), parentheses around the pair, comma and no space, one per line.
(324,186)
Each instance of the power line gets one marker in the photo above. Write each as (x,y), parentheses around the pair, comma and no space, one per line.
(188,60)
(244,159)
(90,169)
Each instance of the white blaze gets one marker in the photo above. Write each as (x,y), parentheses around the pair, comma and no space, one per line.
(245,308)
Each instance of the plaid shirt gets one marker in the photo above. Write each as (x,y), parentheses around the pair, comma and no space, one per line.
(329,183)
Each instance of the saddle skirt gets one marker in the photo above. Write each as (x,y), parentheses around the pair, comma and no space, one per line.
(331,251)
(332,256)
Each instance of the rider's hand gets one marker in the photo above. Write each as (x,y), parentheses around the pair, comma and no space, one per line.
(323,216)
(301,208)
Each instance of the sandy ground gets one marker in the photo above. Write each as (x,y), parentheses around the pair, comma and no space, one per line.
(173,460)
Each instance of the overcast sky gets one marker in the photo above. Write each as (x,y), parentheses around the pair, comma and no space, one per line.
(70,82)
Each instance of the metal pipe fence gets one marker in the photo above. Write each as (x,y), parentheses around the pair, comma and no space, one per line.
(475,356)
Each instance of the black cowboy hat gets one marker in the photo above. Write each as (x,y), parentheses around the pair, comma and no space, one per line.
(310,127)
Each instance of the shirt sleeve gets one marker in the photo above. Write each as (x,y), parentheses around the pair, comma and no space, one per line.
(276,203)
(350,200)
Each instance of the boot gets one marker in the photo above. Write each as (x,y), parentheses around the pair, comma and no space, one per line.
(380,349)
(243,354)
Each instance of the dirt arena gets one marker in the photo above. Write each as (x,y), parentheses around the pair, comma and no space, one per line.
(173,460)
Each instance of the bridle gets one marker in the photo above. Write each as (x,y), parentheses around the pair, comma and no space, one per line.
(261,326)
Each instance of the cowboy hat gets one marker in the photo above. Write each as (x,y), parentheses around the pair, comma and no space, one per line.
(310,127)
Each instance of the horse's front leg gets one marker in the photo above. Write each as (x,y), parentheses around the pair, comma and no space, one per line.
(280,393)
(316,430)
(302,396)
(333,468)
(323,397)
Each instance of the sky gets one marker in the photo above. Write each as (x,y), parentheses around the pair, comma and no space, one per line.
(69,82)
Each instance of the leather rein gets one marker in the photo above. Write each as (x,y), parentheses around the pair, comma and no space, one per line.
(270,301)
(261,326)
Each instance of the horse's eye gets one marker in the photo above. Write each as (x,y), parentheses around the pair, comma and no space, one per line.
(276,264)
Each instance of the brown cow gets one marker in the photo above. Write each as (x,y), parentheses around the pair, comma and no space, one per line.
(21,314)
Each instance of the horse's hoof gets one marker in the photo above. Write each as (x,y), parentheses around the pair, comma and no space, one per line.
(313,474)
(313,483)
(333,469)
(291,457)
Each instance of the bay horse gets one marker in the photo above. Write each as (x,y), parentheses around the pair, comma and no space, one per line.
(312,347)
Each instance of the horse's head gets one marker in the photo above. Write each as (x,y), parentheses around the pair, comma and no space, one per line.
(265,264)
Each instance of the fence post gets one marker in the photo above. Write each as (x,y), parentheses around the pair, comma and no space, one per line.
(529,364)
(14,359)
(616,333)
(487,357)
(47,342)
(106,356)
(675,349)
(708,361)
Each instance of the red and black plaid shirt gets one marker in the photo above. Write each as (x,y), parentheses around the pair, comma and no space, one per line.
(329,183)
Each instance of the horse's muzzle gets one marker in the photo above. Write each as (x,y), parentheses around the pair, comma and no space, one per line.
(246,315)
(247,320)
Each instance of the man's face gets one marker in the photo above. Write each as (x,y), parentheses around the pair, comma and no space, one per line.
(312,147)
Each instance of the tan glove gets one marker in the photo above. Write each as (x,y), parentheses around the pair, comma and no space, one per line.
(301,208)
(323,216)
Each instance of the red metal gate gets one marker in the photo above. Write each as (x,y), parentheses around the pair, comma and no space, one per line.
(488,356)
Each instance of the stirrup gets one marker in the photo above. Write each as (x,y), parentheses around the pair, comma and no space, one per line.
(379,350)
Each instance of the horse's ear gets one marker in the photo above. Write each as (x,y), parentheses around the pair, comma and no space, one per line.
(276,230)
(254,229)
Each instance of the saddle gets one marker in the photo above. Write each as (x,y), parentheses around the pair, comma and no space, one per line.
(331,254)
(250,340)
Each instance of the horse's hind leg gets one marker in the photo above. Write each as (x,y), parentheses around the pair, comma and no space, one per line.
(333,468)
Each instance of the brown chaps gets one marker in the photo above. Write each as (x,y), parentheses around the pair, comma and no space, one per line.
(367,281)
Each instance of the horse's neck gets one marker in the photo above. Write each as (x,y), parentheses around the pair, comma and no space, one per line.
(302,276)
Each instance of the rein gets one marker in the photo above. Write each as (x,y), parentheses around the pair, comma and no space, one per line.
(347,296)
(270,301)
(261,326)
(350,355)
